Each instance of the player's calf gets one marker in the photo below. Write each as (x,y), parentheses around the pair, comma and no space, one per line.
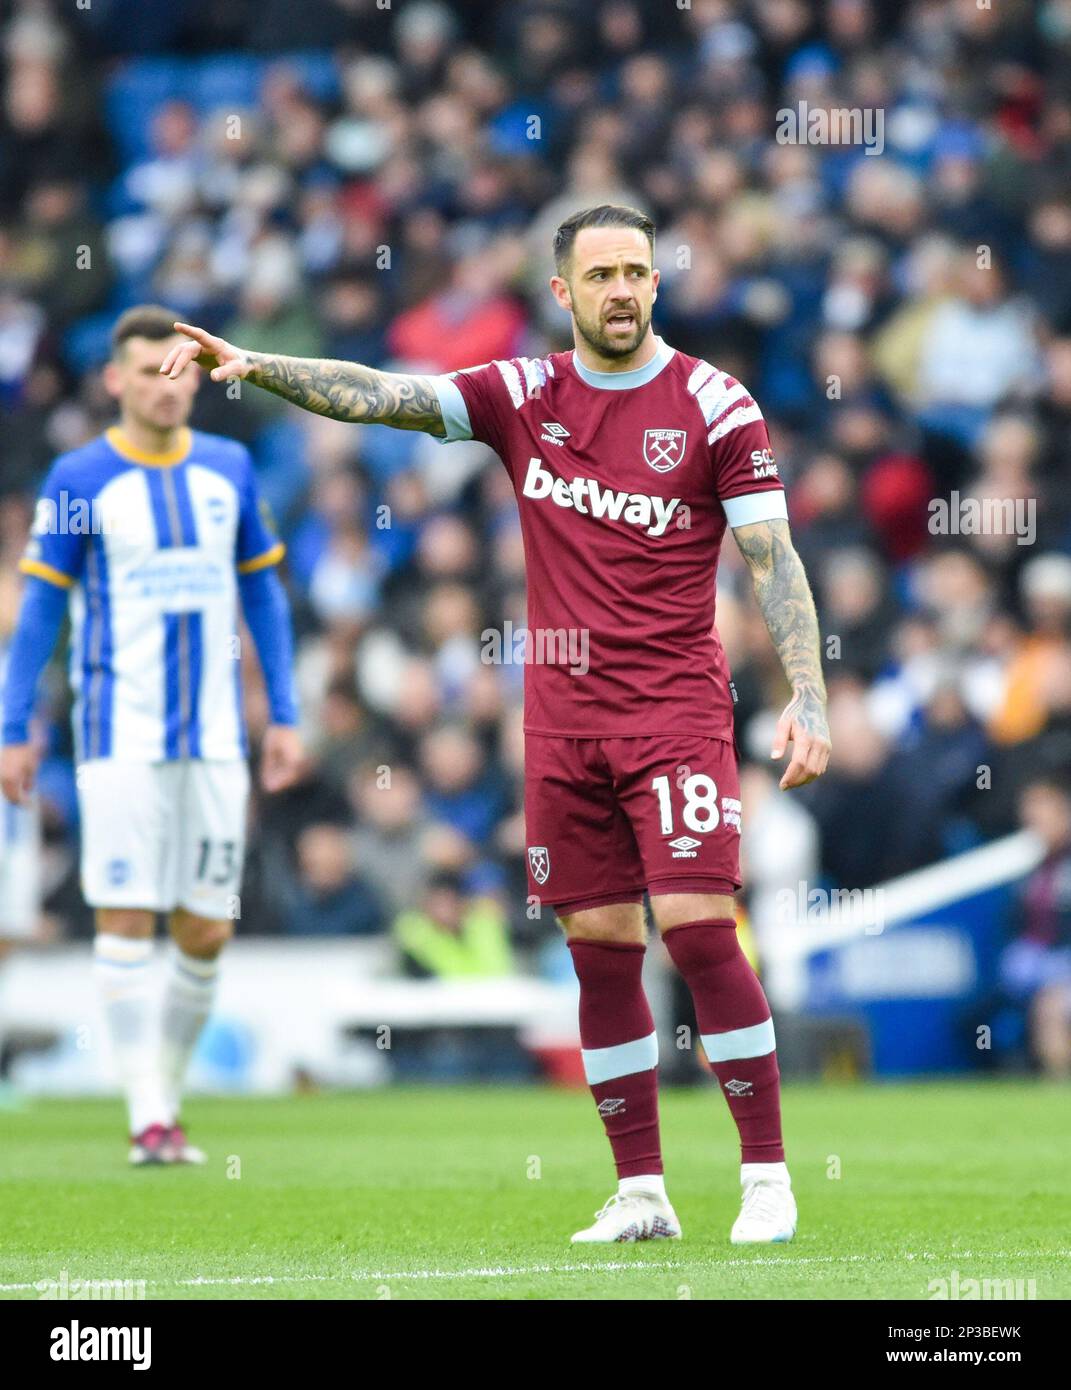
(620,1052)
(737,1034)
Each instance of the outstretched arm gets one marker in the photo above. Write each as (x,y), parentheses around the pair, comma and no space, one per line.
(339,390)
(787,606)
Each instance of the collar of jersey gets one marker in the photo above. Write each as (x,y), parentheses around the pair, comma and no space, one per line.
(625,381)
(119,442)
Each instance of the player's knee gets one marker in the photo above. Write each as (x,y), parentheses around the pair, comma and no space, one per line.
(615,922)
(125,921)
(200,936)
(678,909)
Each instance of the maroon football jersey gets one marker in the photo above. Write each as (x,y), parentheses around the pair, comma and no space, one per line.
(625,483)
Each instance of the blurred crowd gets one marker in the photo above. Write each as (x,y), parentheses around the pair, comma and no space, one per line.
(382,184)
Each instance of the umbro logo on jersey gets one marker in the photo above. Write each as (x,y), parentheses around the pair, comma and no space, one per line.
(684,847)
(664,449)
(590,498)
(553,433)
(539,862)
(739,1088)
(612,1105)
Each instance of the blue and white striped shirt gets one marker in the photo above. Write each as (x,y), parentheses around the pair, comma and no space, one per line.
(150,547)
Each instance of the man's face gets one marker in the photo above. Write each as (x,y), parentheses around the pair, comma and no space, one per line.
(133,378)
(1047,812)
(609,288)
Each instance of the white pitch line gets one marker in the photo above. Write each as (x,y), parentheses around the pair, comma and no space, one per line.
(585,1267)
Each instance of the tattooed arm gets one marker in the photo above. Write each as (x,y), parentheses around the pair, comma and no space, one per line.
(339,390)
(787,606)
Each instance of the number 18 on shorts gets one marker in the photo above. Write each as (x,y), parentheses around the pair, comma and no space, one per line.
(607,818)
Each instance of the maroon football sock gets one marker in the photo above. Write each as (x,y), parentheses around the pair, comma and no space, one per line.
(620,1048)
(736,1031)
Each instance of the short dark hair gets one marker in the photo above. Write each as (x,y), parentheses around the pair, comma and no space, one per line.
(605,215)
(150,321)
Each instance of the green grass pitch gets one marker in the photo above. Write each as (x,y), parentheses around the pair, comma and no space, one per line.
(473,1193)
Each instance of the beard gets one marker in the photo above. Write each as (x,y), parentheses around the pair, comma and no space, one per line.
(595,335)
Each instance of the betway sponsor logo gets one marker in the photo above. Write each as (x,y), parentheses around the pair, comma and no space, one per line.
(590,498)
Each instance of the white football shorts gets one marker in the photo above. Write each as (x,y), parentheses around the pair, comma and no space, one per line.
(20,870)
(163,835)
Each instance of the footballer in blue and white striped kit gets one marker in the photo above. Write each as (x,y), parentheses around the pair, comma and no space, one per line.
(149,536)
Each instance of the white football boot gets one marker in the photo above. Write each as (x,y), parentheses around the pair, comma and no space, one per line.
(631,1216)
(767,1208)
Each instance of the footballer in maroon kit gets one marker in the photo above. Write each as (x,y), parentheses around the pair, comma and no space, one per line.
(629,460)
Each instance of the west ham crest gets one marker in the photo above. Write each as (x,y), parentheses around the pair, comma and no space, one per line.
(664,449)
(539,862)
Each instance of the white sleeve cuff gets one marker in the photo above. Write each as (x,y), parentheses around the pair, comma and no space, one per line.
(455,411)
(755,506)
